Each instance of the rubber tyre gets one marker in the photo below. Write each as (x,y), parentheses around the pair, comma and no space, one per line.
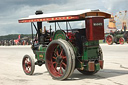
(69,61)
(100,53)
(28,65)
(73,58)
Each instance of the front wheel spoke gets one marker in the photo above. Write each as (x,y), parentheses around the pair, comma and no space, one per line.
(29,63)
(26,60)
(29,68)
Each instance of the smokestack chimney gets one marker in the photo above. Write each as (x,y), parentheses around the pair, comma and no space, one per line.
(38,12)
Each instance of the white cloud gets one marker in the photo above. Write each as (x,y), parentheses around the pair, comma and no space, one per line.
(114,6)
(19,9)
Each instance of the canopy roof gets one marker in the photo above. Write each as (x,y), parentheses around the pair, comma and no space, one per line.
(64,16)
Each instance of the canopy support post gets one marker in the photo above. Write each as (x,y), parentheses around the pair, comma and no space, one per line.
(67,26)
(55,26)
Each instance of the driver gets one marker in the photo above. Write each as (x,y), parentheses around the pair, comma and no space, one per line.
(44,35)
(45,32)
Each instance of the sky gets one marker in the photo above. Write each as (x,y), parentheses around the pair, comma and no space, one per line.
(12,10)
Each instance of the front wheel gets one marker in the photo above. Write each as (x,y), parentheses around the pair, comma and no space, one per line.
(28,65)
(60,59)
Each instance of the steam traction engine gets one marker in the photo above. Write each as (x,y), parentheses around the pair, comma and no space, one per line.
(118,21)
(118,37)
(61,50)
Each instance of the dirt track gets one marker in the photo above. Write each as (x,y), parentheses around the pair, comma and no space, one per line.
(115,70)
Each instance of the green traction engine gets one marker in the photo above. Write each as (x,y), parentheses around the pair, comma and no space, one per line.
(65,49)
(118,37)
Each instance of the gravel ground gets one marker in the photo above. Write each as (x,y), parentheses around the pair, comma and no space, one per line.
(115,70)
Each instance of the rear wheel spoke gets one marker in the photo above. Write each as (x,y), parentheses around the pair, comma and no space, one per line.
(61,53)
(64,57)
(54,57)
(56,66)
(57,53)
(64,64)
(60,70)
(54,63)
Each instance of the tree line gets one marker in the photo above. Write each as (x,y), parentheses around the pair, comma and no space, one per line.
(14,36)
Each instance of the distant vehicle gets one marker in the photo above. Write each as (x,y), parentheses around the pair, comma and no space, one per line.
(64,50)
(118,37)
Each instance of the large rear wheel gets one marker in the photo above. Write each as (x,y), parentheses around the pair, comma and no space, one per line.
(109,39)
(60,59)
